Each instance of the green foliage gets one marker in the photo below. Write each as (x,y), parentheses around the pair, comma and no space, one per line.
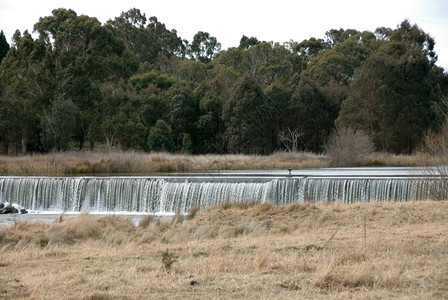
(204,47)
(245,115)
(307,49)
(58,126)
(338,63)
(182,112)
(160,138)
(277,97)
(312,117)
(187,144)
(333,36)
(4,46)
(148,39)
(10,118)
(133,84)
(246,43)
(152,78)
(391,96)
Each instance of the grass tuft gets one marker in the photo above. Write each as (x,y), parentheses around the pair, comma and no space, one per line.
(193,212)
(146,221)
(167,261)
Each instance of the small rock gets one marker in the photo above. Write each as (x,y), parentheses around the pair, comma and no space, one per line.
(194,282)
(23,211)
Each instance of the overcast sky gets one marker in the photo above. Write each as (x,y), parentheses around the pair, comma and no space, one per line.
(228,20)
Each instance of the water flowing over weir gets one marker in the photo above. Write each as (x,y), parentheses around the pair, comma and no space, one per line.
(169,194)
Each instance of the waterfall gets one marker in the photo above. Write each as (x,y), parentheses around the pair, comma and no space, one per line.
(169,194)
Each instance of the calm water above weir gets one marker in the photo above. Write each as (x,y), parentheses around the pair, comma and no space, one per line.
(167,194)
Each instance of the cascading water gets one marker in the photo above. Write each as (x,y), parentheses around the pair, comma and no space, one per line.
(169,194)
(153,195)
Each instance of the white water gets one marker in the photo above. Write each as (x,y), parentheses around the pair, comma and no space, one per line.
(169,194)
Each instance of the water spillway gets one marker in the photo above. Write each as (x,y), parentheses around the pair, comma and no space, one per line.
(170,194)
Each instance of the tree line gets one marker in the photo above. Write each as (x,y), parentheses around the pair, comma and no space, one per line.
(131,83)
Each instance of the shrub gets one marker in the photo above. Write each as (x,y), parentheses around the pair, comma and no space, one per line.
(347,145)
(160,138)
(436,143)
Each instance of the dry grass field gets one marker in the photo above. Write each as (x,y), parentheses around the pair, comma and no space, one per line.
(298,251)
(84,162)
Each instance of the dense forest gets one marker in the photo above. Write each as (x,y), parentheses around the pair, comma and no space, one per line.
(134,84)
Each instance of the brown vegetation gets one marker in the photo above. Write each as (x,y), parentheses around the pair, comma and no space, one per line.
(73,163)
(347,145)
(76,163)
(363,250)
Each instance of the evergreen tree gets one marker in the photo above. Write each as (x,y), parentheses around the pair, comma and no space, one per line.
(160,138)
(245,116)
(4,46)
(392,96)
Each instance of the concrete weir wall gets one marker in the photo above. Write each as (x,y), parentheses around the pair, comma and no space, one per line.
(170,194)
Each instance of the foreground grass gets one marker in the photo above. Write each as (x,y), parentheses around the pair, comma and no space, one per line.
(74,163)
(331,251)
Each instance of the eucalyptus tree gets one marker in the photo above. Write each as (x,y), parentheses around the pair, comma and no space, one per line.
(257,56)
(152,78)
(311,114)
(309,48)
(337,65)
(190,71)
(246,42)
(59,125)
(131,27)
(212,93)
(117,118)
(80,55)
(148,98)
(165,42)
(204,47)
(232,57)
(392,96)
(162,97)
(27,90)
(148,39)
(160,138)
(334,67)
(334,36)
(182,111)
(245,116)
(10,120)
(280,117)
(282,64)
(4,46)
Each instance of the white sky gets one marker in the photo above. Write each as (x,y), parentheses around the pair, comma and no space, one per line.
(228,20)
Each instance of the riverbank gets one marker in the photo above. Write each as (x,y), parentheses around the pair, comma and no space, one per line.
(80,163)
(331,251)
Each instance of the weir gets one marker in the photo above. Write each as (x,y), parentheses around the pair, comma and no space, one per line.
(171,194)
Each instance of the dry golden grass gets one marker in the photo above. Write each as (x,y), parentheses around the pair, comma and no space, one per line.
(73,163)
(138,163)
(378,250)
(420,159)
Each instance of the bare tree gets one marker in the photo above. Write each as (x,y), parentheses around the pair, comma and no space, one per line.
(291,139)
